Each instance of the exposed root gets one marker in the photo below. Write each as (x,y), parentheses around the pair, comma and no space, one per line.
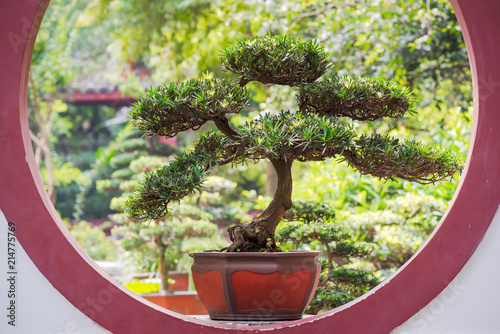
(250,238)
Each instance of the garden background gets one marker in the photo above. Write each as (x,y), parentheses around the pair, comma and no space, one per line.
(92,58)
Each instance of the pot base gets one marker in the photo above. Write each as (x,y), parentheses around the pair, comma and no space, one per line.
(256,317)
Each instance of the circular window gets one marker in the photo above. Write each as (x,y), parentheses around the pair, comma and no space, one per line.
(40,231)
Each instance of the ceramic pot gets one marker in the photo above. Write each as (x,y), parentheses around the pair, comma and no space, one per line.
(255,286)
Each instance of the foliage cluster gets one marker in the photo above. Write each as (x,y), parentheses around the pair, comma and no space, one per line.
(187,105)
(312,224)
(271,60)
(94,241)
(359,98)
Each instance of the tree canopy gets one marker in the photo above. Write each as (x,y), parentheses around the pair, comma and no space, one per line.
(313,132)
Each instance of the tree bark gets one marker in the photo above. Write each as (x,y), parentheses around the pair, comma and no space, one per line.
(272,179)
(223,126)
(163,267)
(282,200)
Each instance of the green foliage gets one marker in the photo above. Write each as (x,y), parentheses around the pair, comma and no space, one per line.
(399,229)
(211,144)
(275,60)
(123,173)
(52,61)
(93,240)
(180,178)
(126,157)
(296,136)
(123,159)
(66,173)
(390,158)
(416,43)
(349,284)
(130,145)
(169,109)
(50,70)
(298,232)
(108,186)
(346,249)
(339,186)
(327,298)
(355,97)
(222,199)
(310,211)
(311,225)
(354,277)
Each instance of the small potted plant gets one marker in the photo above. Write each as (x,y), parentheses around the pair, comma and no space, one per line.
(251,278)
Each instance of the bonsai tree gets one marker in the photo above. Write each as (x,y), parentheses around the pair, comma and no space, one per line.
(313,223)
(322,127)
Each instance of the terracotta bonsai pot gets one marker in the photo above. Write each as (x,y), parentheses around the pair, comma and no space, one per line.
(255,286)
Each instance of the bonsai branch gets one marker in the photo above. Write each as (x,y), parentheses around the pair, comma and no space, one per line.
(222,124)
(243,82)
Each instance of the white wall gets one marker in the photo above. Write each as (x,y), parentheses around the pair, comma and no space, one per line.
(471,303)
(39,308)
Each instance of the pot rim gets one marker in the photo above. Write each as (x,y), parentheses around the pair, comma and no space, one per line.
(248,254)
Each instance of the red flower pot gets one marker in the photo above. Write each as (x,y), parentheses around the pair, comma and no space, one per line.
(255,286)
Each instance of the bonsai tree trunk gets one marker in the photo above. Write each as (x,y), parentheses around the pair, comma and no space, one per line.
(272,179)
(163,266)
(259,234)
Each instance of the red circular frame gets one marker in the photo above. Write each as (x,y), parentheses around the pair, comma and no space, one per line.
(58,257)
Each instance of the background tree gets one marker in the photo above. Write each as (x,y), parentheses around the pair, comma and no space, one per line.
(315,132)
(51,70)
(164,243)
(311,224)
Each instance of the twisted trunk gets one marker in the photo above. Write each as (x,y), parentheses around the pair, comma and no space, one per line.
(259,234)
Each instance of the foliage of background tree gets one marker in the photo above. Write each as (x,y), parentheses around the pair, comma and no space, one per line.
(50,70)
(94,241)
(312,224)
(65,137)
(418,43)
